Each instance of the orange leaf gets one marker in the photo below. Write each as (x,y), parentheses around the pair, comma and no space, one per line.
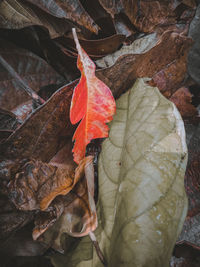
(92,103)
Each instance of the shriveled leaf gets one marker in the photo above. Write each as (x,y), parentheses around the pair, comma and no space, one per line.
(31,68)
(92,103)
(131,66)
(142,201)
(44,132)
(79,216)
(17,14)
(36,184)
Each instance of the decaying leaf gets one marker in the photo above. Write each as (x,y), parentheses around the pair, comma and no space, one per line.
(78,208)
(37,184)
(142,201)
(92,103)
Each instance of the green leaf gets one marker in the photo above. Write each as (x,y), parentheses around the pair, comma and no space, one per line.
(142,202)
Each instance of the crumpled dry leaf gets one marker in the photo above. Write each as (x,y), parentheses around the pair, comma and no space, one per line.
(142,201)
(131,66)
(32,69)
(36,184)
(78,208)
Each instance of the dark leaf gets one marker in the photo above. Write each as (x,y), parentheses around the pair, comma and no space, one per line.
(95,48)
(194,54)
(11,219)
(32,69)
(191,229)
(8,120)
(130,66)
(145,15)
(68,9)
(17,14)
(43,133)
(172,76)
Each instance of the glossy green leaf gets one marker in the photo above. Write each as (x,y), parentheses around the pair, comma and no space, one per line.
(142,202)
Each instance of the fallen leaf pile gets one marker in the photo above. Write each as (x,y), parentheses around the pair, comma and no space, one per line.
(74,166)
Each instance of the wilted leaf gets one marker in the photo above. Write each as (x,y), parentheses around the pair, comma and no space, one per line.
(92,103)
(44,132)
(142,201)
(32,69)
(17,14)
(131,66)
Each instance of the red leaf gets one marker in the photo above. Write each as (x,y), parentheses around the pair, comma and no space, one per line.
(92,103)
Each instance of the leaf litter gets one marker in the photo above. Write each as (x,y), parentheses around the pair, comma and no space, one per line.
(37,141)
